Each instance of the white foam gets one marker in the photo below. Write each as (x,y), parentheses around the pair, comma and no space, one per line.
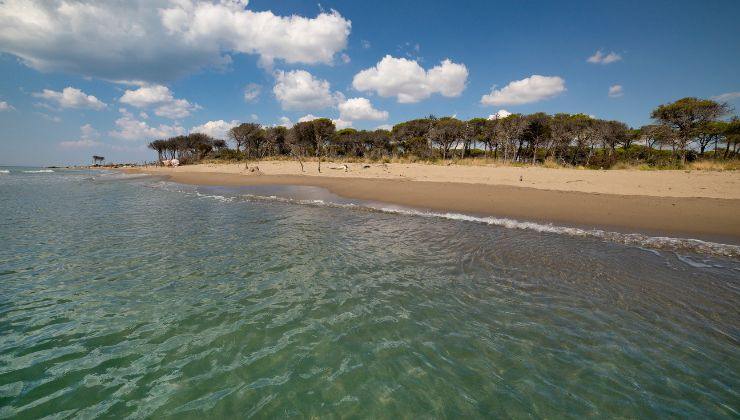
(40,171)
(632,239)
(4,171)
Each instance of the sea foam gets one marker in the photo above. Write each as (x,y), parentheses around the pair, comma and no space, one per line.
(630,239)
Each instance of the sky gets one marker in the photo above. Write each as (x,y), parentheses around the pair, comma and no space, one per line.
(79,78)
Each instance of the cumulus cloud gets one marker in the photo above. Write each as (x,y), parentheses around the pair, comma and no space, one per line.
(501,113)
(729,96)
(616,91)
(300,90)
(338,122)
(87,139)
(600,58)
(308,117)
(341,124)
(161,97)
(71,97)
(384,127)
(160,40)
(129,128)
(409,82)
(216,129)
(531,89)
(355,109)
(252,92)
(4,106)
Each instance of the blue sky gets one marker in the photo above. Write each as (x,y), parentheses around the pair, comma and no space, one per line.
(192,65)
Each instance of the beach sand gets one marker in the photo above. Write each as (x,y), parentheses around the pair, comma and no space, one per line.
(691,204)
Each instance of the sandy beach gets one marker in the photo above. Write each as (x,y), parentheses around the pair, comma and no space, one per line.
(694,204)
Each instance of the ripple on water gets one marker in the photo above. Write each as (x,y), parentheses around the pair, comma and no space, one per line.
(125,301)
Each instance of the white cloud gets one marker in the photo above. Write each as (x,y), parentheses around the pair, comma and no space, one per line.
(531,89)
(616,91)
(176,109)
(384,127)
(87,139)
(345,58)
(600,58)
(360,109)
(409,82)
(4,106)
(252,92)
(216,129)
(160,40)
(285,122)
(341,124)
(146,96)
(254,117)
(501,113)
(308,117)
(167,105)
(299,90)
(71,97)
(129,128)
(729,96)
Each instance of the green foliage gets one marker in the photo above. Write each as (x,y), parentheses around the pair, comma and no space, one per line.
(684,130)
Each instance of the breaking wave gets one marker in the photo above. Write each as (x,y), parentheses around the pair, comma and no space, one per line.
(39,171)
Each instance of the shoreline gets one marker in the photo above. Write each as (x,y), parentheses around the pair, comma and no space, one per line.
(703,218)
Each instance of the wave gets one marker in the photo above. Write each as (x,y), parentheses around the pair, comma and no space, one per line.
(631,239)
(4,171)
(39,171)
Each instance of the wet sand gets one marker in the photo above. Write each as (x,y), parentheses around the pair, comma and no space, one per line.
(708,218)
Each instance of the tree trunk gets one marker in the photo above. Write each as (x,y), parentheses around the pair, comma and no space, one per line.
(727,149)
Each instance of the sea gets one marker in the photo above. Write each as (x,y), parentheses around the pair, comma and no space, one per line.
(128,296)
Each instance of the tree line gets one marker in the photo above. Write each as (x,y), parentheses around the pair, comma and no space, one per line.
(687,129)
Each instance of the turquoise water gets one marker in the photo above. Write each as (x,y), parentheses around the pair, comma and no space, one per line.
(134,297)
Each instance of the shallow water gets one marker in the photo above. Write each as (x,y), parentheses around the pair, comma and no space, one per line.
(136,297)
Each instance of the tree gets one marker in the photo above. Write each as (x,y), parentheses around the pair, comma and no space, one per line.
(98,160)
(475,132)
(378,144)
(311,136)
(323,130)
(511,129)
(613,133)
(275,138)
(347,142)
(252,137)
(709,132)
(686,116)
(296,144)
(412,137)
(564,129)
(732,136)
(446,133)
(159,147)
(537,132)
(199,144)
